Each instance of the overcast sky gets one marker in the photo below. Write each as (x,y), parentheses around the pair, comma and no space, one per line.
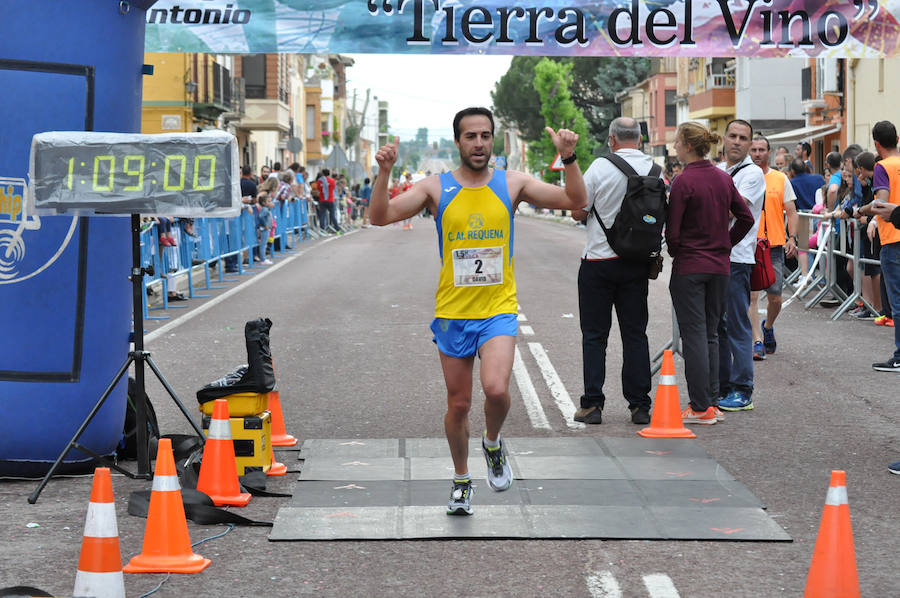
(425,91)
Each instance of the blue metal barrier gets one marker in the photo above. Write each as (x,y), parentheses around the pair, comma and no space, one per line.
(213,242)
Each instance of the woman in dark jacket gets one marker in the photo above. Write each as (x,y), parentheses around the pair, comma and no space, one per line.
(702,203)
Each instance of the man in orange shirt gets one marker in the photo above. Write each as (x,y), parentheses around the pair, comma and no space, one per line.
(886,185)
(779,202)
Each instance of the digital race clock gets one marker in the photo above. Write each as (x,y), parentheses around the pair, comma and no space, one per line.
(181,174)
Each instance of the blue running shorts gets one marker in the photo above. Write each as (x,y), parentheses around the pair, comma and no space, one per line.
(463,338)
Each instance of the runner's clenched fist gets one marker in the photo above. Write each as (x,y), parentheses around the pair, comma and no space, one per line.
(387,155)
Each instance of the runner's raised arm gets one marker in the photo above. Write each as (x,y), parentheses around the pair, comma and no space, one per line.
(383,210)
(573,196)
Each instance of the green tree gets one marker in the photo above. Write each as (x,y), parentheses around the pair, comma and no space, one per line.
(422,136)
(609,76)
(412,160)
(516,101)
(499,144)
(551,80)
(593,86)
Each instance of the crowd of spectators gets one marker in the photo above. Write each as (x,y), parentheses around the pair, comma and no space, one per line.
(723,213)
(332,202)
(837,192)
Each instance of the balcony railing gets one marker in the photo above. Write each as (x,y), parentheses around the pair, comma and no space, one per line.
(720,81)
(216,95)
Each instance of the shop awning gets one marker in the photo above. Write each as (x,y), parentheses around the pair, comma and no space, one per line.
(804,134)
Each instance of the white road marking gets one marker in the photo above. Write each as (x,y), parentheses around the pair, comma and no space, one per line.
(529,396)
(557,389)
(522,318)
(660,585)
(526,330)
(603,585)
(150,337)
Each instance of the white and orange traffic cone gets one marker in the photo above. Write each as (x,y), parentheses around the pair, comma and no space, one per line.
(100,565)
(832,573)
(666,421)
(167,544)
(218,470)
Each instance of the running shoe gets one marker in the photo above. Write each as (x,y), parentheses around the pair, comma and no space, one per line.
(499,474)
(689,416)
(891,365)
(461,498)
(884,321)
(894,467)
(769,338)
(861,313)
(759,351)
(720,416)
(736,401)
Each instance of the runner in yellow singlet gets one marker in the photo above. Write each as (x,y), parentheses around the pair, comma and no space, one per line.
(475,304)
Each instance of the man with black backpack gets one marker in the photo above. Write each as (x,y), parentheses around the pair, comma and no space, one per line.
(624,216)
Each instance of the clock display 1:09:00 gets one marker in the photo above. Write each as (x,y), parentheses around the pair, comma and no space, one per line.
(133,167)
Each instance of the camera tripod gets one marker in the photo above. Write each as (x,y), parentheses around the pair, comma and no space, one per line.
(139,358)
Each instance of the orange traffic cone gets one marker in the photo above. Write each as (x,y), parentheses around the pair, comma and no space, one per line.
(666,420)
(100,566)
(276,469)
(167,545)
(832,573)
(218,471)
(280,437)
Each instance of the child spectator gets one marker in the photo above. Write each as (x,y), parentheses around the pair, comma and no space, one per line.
(265,225)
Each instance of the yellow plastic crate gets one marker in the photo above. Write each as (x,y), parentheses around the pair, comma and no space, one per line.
(240,404)
(252,437)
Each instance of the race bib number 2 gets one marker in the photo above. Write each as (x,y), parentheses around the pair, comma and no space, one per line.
(477,267)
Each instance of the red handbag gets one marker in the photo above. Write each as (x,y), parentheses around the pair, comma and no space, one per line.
(763,274)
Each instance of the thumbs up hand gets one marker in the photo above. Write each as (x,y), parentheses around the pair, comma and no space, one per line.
(387,155)
(564,140)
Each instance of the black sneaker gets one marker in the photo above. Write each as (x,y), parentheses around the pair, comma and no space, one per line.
(640,415)
(891,365)
(460,498)
(589,415)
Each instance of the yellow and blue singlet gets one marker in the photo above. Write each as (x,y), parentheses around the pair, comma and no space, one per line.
(475,241)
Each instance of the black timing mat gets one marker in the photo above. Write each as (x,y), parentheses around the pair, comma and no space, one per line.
(572,487)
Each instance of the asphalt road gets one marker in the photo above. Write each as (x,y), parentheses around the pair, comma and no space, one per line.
(354,359)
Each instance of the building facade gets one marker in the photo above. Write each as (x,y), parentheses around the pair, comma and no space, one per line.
(188,92)
(652,103)
(768,93)
(873,86)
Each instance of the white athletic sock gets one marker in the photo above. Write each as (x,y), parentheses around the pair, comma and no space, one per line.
(462,478)
(491,443)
